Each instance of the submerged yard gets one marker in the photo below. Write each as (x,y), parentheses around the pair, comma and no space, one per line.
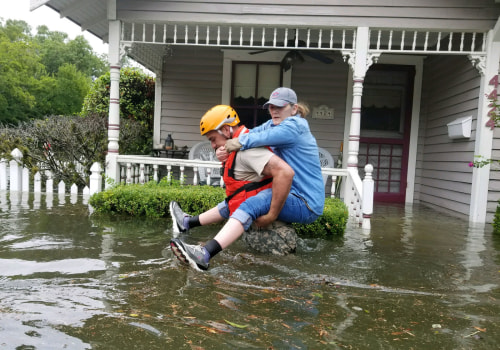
(418,280)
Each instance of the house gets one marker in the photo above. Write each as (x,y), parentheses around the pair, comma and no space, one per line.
(404,85)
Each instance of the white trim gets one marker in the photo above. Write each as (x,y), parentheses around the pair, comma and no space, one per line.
(417,62)
(484,135)
(111,9)
(34,4)
(157,112)
(244,55)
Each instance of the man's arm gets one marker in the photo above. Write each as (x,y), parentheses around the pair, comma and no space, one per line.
(282,175)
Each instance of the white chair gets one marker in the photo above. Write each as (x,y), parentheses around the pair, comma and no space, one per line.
(204,151)
(326,161)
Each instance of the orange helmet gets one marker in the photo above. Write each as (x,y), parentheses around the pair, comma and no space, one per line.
(218,116)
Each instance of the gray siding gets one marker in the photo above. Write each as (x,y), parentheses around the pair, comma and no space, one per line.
(320,84)
(444,14)
(450,90)
(192,83)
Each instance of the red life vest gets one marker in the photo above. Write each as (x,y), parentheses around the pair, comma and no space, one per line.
(237,191)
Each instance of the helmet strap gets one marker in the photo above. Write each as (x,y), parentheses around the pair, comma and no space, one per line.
(230,132)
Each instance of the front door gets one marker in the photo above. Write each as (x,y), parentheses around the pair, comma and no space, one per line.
(385,129)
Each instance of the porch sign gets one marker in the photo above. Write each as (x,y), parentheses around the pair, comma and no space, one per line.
(322,112)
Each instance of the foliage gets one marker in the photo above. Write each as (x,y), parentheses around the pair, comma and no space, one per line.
(20,68)
(56,50)
(63,93)
(136,108)
(43,74)
(332,223)
(67,146)
(152,200)
(496,221)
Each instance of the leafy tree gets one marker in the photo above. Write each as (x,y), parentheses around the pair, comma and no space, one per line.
(57,50)
(43,74)
(71,87)
(20,67)
(136,108)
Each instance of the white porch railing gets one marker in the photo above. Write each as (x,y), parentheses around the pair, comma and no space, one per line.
(358,194)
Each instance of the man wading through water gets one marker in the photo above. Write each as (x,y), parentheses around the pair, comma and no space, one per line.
(289,136)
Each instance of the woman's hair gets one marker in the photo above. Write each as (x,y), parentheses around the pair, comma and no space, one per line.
(303,109)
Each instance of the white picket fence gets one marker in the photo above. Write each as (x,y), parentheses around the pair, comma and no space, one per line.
(16,178)
(358,194)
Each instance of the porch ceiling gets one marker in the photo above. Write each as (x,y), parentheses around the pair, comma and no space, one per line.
(257,38)
(148,42)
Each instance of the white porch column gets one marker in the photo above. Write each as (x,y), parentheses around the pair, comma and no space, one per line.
(359,61)
(112,169)
(157,112)
(488,68)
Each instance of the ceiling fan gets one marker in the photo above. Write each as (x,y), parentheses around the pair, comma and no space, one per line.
(296,55)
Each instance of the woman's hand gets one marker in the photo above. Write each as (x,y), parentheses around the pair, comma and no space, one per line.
(233,145)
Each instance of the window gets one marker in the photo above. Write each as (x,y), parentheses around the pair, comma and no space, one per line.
(252,83)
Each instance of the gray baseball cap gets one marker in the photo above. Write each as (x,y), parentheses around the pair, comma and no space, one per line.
(281,97)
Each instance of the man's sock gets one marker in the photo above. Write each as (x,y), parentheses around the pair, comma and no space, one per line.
(191,221)
(212,248)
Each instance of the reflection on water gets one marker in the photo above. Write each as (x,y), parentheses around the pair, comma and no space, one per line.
(418,280)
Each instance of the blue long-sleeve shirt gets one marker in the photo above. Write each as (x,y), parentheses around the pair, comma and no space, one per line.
(293,142)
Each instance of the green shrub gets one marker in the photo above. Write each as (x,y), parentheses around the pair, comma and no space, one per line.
(332,223)
(152,200)
(496,220)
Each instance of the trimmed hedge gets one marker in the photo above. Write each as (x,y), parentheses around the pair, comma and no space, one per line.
(496,220)
(152,200)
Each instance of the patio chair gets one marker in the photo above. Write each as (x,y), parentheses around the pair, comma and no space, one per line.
(203,151)
(326,161)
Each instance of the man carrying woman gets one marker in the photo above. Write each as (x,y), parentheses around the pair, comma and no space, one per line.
(288,135)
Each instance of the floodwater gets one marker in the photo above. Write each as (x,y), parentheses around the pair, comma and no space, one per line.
(68,280)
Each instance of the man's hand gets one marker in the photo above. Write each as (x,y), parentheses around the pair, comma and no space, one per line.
(265,220)
(233,145)
(221,154)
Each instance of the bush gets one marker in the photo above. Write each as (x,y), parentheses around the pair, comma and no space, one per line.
(496,221)
(137,94)
(332,223)
(65,145)
(152,200)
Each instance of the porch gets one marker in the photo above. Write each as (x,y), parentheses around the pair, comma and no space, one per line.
(134,169)
(174,50)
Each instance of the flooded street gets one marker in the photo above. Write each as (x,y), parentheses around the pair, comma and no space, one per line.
(418,280)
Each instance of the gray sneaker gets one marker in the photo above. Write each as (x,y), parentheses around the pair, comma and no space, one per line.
(177,218)
(188,254)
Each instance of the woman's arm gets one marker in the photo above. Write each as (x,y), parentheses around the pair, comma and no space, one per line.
(286,133)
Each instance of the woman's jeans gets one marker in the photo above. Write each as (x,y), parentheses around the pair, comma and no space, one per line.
(294,210)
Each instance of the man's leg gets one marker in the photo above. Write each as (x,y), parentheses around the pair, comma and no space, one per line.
(198,256)
(211,216)
(182,221)
(231,231)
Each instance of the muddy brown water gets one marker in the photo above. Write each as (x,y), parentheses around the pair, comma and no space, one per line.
(69,280)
